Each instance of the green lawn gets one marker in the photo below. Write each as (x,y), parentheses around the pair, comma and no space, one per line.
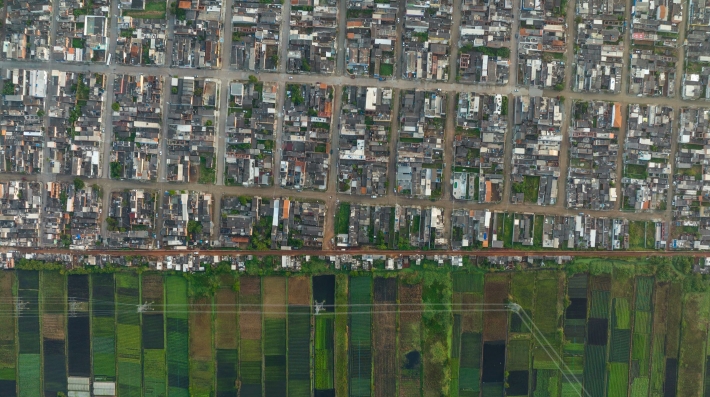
(342,219)
(636,171)
(154,9)
(529,187)
(386,69)
(695,171)
(638,235)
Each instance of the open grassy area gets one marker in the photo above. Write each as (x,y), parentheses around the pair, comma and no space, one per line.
(636,171)
(529,187)
(696,171)
(342,218)
(386,69)
(638,235)
(341,335)
(154,9)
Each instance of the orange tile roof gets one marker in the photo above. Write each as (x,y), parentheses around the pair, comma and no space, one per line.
(488,191)
(617,115)
(287,207)
(185,4)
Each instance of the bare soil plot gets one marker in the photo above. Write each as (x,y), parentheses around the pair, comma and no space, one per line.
(201,329)
(275,297)
(495,317)
(53,326)
(299,290)
(225,319)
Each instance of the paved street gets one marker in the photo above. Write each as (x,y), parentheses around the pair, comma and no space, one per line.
(224,74)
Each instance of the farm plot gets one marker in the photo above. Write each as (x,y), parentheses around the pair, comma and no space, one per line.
(250,328)
(28,330)
(410,368)
(575,321)
(468,324)
(154,366)
(360,362)
(299,337)
(694,335)
(275,299)
(324,293)
(78,327)
(177,355)
(641,337)
(518,367)
(494,333)
(666,298)
(8,358)
(54,370)
(522,290)
(103,324)
(595,351)
(546,314)
(128,335)
(225,336)
(436,322)
(621,323)
(341,335)
(201,351)
(384,337)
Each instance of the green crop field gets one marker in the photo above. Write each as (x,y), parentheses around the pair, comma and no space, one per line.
(426,331)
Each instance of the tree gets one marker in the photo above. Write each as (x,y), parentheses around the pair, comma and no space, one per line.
(194,227)
(253,79)
(208,123)
(174,90)
(78,184)
(198,92)
(116,106)
(40,113)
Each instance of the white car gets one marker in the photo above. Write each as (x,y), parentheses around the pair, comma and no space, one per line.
(290,77)
(160,153)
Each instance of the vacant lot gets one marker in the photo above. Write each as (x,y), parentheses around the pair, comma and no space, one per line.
(250,308)
(693,337)
(153,289)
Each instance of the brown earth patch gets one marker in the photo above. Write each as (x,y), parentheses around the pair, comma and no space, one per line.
(153,288)
(495,317)
(299,291)
(53,326)
(200,320)
(275,297)
(225,335)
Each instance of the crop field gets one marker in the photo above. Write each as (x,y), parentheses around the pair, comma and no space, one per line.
(384,337)
(201,350)
(299,336)
(54,369)
(341,335)
(323,337)
(176,328)
(225,336)
(128,335)
(466,338)
(78,326)
(250,328)
(8,357)
(103,325)
(29,361)
(419,333)
(694,334)
(409,361)
(153,334)
(360,352)
(275,299)
(437,321)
